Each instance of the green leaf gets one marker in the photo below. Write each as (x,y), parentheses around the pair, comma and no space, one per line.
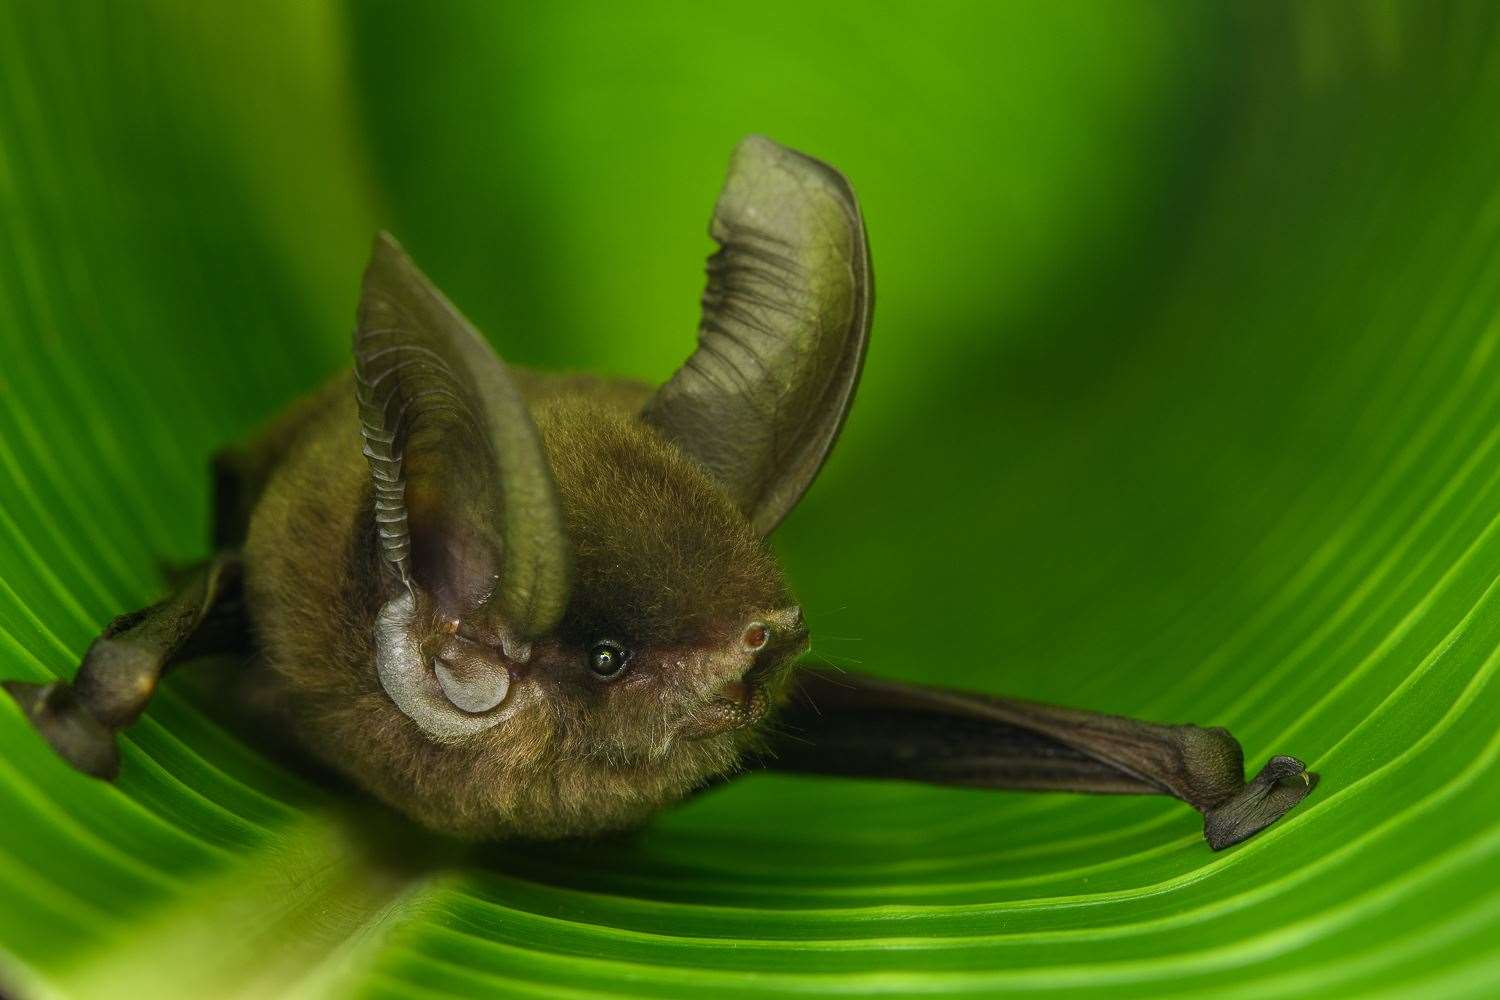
(1184,403)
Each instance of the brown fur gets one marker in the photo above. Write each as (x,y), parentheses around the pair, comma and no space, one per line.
(663,562)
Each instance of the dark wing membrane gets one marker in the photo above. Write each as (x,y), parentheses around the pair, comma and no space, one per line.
(463,493)
(786,316)
(845,723)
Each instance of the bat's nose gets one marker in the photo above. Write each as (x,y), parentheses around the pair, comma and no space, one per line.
(791,626)
(778,628)
(787,620)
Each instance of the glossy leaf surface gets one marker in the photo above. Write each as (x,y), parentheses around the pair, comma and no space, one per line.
(1183,401)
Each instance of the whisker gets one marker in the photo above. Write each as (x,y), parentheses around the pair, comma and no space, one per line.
(827,658)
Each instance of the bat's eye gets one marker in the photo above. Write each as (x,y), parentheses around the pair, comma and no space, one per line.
(607,657)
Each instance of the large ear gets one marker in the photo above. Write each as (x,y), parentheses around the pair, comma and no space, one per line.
(786,317)
(464,499)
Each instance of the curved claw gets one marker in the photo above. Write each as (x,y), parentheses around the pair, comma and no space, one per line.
(63,721)
(1279,786)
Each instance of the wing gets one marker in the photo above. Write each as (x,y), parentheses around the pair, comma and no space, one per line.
(858,726)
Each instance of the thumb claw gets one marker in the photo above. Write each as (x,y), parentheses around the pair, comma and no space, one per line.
(1279,786)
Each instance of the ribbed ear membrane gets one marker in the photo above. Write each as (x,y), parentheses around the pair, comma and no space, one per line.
(464,500)
(786,317)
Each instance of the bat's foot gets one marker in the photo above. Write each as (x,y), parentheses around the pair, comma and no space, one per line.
(78,737)
(1279,786)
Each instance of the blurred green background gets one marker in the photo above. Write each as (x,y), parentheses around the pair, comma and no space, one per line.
(1183,401)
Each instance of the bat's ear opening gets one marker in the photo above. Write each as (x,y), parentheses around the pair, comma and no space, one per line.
(465,508)
(786,317)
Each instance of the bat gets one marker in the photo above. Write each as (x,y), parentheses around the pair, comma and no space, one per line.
(519,604)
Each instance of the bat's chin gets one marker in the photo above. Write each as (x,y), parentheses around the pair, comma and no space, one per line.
(737,705)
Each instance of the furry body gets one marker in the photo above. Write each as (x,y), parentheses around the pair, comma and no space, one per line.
(311,590)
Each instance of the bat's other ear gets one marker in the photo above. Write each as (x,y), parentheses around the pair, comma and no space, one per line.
(464,500)
(786,317)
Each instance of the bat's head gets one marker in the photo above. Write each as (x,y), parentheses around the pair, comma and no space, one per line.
(580,619)
(679,626)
